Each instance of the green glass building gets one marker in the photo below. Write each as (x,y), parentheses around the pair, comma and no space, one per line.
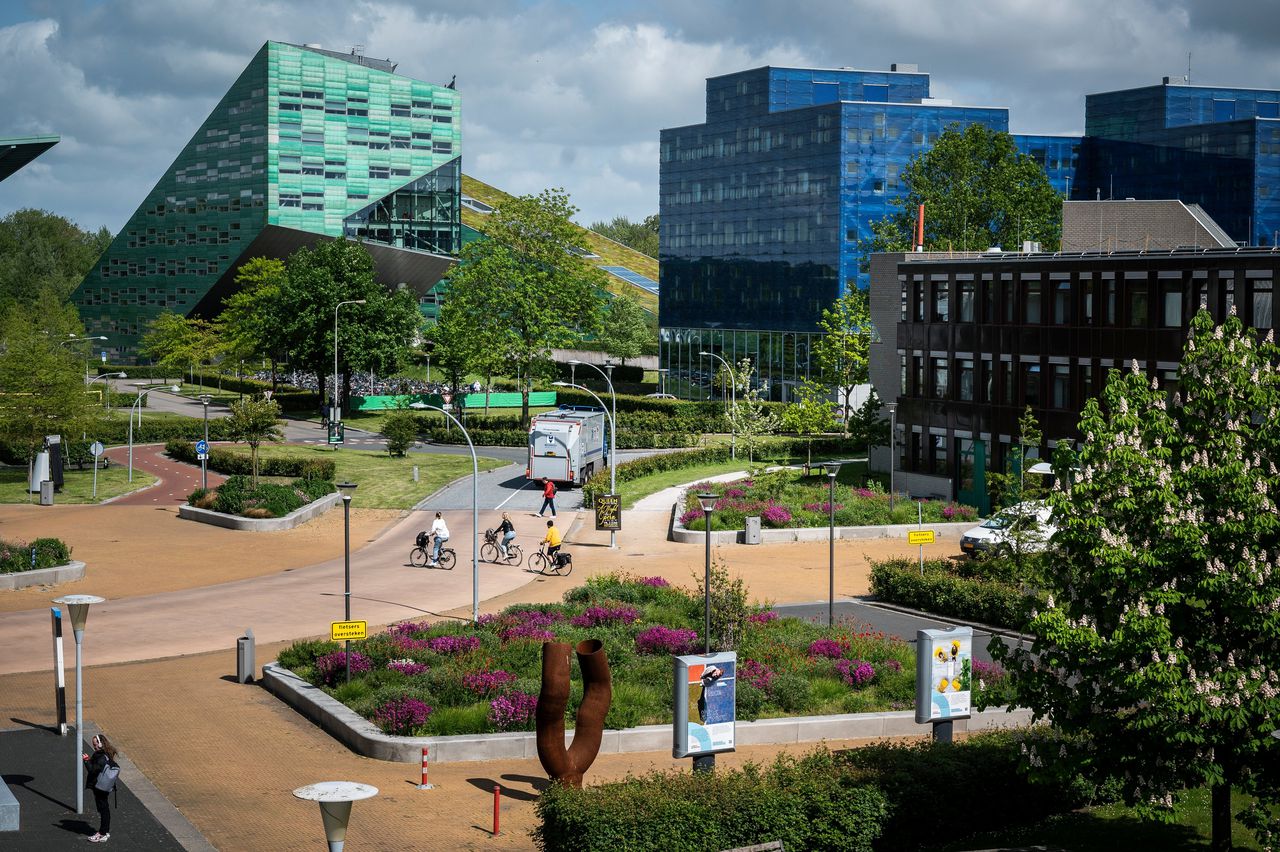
(307,144)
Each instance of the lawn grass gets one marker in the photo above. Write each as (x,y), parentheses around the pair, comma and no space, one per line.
(384,482)
(1118,827)
(77,484)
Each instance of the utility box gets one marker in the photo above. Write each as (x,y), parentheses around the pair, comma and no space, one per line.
(752,535)
(245,655)
(39,470)
(46,492)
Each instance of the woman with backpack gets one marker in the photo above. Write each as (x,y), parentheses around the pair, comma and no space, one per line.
(103,771)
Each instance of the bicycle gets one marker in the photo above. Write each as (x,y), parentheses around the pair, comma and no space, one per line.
(420,556)
(490,552)
(559,565)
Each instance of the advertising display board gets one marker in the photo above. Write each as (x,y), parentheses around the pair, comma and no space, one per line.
(609,512)
(944,674)
(705,703)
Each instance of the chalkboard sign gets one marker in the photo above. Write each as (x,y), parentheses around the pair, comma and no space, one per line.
(608,512)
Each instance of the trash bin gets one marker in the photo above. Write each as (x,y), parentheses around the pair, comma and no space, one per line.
(752,535)
(245,654)
(46,492)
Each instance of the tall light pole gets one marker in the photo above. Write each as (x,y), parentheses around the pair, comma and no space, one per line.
(833,468)
(74,339)
(893,441)
(475,502)
(336,405)
(78,606)
(107,385)
(137,403)
(733,391)
(204,463)
(613,428)
(346,488)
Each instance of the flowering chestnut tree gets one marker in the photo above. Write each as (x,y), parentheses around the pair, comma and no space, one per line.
(1161,639)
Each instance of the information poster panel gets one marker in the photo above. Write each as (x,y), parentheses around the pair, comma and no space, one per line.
(609,512)
(944,673)
(705,703)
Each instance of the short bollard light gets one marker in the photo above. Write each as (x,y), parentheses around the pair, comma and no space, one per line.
(335,798)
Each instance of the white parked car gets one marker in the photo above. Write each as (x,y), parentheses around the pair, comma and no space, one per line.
(660,396)
(1033,515)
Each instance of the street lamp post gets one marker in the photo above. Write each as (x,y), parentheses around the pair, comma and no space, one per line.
(893,449)
(832,469)
(733,391)
(475,502)
(137,403)
(346,488)
(336,404)
(107,385)
(74,339)
(335,799)
(204,462)
(78,606)
(613,428)
(662,379)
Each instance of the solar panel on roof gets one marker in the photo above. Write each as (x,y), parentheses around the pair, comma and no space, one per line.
(632,277)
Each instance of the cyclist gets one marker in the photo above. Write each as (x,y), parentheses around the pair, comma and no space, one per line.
(508,531)
(439,531)
(552,540)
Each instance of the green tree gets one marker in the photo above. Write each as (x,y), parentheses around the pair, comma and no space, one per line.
(625,328)
(868,426)
(179,343)
(1019,495)
(254,421)
(42,389)
(374,336)
(977,192)
(400,428)
(1162,631)
(641,236)
(749,417)
(841,354)
(44,253)
(811,413)
(248,327)
(525,286)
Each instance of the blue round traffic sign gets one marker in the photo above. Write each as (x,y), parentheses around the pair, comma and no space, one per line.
(202,446)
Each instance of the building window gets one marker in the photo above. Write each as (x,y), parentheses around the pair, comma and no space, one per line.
(941,301)
(1262,312)
(902,377)
(918,294)
(1138,305)
(1109,302)
(1008,392)
(1062,303)
(1008,293)
(965,388)
(988,300)
(1086,382)
(985,383)
(966,301)
(940,376)
(939,445)
(1088,302)
(1031,304)
(1061,386)
(1171,306)
(1031,385)
(917,369)
(902,313)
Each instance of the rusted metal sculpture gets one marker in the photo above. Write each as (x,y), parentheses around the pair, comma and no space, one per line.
(568,765)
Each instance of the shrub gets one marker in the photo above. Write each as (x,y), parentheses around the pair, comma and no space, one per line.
(408,668)
(400,428)
(856,673)
(232,462)
(486,683)
(17,556)
(453,645)
(595,616)
(666,640)
(942,592)
(330,667)
(402,715)
(829,648)
(513,710)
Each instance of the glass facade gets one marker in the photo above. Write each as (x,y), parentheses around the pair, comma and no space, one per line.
(313,140)
(781,359)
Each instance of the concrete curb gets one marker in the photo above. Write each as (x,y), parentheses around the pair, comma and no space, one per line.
(235,522)
(73,570)
(367,740)
(683,535)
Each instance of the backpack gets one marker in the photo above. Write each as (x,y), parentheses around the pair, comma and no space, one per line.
(106,780)
(421,540)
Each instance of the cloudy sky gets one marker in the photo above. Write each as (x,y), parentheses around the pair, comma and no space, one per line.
(562,93)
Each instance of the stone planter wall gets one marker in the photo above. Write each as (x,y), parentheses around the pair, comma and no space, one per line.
(43,576)
(235,522)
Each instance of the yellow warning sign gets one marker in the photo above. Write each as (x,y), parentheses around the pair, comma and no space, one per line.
(920,537)
(340,631)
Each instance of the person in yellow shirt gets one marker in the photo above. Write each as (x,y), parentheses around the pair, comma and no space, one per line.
(553,539)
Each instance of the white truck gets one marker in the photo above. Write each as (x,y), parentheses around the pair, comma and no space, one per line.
(568,445)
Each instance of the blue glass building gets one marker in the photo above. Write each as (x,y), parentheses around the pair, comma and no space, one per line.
(764,205)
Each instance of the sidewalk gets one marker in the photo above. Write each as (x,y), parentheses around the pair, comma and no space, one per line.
(175,480)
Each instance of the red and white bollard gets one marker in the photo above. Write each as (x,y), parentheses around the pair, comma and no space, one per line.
(424,785)
(497,798)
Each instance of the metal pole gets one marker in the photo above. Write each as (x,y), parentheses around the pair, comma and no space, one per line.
(77,739)
(706,588)
(613,429)
(135,402)
(893,448)
(920,525)
(204,462)
(346,572)
(335,360)
(475,516)
(831,552)
(95,477)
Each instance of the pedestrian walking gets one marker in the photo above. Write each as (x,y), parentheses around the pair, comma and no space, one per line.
(548,498)
(103,772)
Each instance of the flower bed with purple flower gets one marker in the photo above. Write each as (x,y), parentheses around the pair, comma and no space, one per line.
(437,679)
(786,498)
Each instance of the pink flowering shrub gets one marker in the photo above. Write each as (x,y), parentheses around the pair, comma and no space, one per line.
(401,716)
(453,645)
(856,673)
(824,506)
(407,667)
(775,515)
(734,492)
(526,633)
(486,683)
(893,665)
(598,615)
(988,675)
(757,674)
(408,628)
(828,648)
(762,617)
(666,640)
(655,582)
(691,516)
(332,667)
(513,710)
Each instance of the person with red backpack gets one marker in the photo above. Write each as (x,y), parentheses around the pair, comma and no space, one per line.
(548,498)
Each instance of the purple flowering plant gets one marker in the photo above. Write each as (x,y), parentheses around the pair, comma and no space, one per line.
(407,667)
(757,674)
(596,615)
(666,640)
(762,617)
(451,646)
(333,666)
(828,648)
(512,710)
(401,715)
(654,582)
(856,673)
(485,682)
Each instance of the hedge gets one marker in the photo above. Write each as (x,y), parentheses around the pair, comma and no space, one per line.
(239,496)
(847,800)
(15,556)
(626,440)
(807,803)
(230,462)
(941,592)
